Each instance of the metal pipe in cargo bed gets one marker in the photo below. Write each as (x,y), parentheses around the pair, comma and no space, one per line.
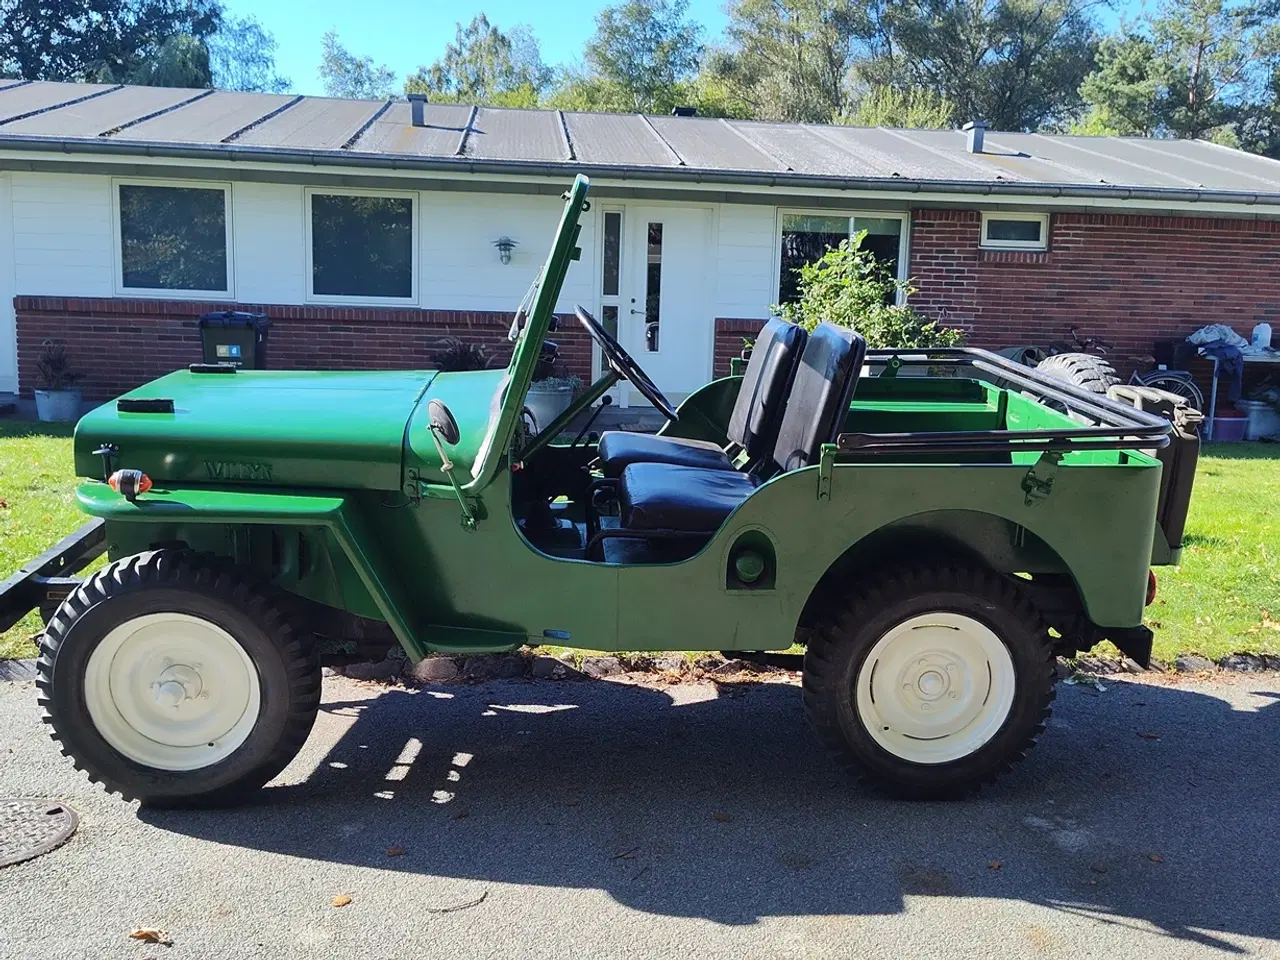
(1139,423)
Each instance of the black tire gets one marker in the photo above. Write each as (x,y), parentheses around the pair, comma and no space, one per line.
(842,640)
(173,581)
(1085,370)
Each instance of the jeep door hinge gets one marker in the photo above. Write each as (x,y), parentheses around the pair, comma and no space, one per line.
(1038,483)
(412,488)
(826,466)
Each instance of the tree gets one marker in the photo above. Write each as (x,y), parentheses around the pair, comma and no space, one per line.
(483,65)
(1193,69)
(1018,64)
(243,57)
(119,41)
(788,59)
(357,78)
(640,59)
(912,109)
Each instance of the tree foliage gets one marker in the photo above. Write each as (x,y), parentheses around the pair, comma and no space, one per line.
(114,41)
(1017,64)
(1192,69)
(916,109)
(344,74)
(641,59)
(850,287)
(483,65)
(788,59)
(242,56)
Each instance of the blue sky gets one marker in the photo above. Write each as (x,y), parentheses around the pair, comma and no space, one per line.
(404,34)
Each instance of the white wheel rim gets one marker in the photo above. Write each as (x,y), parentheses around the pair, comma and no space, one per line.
(172,691)
(935,688)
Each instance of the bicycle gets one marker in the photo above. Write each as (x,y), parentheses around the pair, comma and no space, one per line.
(1146,371)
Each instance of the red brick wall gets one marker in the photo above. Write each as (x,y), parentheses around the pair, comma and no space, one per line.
(118,344)
(1128,279)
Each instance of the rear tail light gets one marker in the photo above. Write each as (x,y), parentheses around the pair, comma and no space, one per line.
(1151,587)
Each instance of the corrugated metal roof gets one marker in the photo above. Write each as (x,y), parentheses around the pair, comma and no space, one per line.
(99,117)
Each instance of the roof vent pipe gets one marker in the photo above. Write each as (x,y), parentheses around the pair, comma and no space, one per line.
(417,107)
(684,111)
(975,129)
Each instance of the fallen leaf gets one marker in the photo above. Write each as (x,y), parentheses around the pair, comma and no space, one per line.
(1098,867)
(151,935)
(994,865)
(341,900)
(4,504)
(395,851)
(1147,735)
(722,817)
(1155,858)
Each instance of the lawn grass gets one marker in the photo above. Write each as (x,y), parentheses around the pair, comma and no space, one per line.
(1224,598)
(37,507)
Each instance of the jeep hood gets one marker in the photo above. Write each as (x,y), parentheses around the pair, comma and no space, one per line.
(263,427)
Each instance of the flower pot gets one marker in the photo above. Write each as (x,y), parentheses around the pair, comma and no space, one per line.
(547,399)
(59,406)
(1263,419)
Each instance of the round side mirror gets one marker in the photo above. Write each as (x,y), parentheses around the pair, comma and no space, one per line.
(442,423)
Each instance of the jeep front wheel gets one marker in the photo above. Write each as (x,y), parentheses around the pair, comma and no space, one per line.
(176,681)
(930,682)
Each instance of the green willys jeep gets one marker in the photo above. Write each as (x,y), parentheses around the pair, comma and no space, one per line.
(931,528)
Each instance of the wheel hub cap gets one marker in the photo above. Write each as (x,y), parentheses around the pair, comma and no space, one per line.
(935,688)
(172,691)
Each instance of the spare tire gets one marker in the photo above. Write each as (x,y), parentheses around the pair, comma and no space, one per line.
(1085,370)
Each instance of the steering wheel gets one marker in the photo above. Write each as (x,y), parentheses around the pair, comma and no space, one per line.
(621,363)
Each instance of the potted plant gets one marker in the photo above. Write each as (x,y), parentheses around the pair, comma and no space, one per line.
(57,399)
(456,355)
(551,392)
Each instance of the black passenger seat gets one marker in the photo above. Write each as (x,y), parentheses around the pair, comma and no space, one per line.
(753,427)
(673,498)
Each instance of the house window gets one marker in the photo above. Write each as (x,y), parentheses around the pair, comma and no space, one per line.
(361,246)
(807,236)
(173,239)
(1015,231)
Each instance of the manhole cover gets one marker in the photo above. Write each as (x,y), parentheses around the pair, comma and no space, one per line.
(29,828)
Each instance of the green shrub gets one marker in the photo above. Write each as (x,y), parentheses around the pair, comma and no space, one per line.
(848,286)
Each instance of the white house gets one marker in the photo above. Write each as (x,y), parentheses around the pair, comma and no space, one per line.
(369,230)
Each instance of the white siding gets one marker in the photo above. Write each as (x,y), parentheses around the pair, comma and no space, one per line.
(459,265)
(267,243)
(62,235)
(8,335)
(747,270)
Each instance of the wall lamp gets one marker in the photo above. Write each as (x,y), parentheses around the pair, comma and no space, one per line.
(505,245)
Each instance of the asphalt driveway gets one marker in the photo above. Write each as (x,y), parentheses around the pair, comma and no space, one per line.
(618,820)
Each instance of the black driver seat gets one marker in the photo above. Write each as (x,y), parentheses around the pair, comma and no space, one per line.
(675,498)
(753,427)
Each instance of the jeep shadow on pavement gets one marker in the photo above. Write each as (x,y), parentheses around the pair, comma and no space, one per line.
(1152,805)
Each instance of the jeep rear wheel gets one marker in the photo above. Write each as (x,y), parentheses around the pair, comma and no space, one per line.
(176,681)
(930,682)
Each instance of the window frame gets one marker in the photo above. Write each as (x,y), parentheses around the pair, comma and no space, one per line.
(1038,246)
(904,237)
(170,293)
(309,247)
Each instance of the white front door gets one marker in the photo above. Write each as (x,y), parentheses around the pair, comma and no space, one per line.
(663,295)
(8,332)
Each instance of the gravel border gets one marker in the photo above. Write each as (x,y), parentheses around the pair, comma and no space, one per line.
(675,667)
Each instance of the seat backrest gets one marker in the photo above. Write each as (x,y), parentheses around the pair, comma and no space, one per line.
(819,398)
(757,413)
